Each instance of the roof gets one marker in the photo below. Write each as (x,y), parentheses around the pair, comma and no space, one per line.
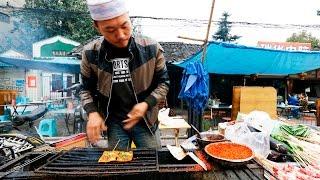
(13,54)
(61,64)
(176,51)
(224,58)
(173,51)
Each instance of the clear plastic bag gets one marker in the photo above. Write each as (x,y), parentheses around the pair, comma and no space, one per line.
(259,142)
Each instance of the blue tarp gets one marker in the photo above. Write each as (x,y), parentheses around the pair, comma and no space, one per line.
(224,58)
(65,65)
(194,86)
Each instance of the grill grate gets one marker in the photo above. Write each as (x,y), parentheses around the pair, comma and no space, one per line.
(80,162)
(23,166)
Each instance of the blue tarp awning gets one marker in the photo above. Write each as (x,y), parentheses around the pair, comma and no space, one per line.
(65,65)
(224,58)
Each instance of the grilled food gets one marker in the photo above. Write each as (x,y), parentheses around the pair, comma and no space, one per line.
(108,156)
(125,156)
(118,156)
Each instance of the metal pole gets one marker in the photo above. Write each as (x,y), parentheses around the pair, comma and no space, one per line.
(208,30)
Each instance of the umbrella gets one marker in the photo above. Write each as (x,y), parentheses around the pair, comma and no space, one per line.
(194,86)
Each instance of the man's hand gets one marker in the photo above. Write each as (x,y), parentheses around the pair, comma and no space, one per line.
(135,115)
(95,126)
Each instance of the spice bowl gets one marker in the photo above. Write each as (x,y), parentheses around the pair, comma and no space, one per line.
(229,154)
(209,137)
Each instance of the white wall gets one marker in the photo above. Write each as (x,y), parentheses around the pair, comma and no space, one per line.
(13,79)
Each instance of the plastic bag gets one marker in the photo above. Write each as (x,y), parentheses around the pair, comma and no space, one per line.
(261,121)
(233,132)
(259,142)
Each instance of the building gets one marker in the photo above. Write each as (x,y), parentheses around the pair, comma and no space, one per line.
(12,78)
(37,82)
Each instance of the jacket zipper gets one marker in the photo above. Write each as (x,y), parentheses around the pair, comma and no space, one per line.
(109,92)
(135,95)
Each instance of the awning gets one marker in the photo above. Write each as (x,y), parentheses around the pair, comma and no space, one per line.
(223,58)
(65,65)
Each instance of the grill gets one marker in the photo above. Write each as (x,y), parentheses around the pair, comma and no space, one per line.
(146,164)
(84,162)
(24,166)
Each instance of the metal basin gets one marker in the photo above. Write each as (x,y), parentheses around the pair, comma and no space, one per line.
(209,137)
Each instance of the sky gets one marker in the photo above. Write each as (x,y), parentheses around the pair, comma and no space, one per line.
(290,15)
(260,11)
(278,12)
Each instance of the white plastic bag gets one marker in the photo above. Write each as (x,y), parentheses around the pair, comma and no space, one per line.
(259,142)
(261,121)
(233,132)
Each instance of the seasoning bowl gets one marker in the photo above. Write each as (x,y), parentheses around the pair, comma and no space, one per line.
(242,153)
(209,137)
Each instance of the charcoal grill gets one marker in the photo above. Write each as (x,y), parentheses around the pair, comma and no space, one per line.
(146,164)
(23,167)
(84,162)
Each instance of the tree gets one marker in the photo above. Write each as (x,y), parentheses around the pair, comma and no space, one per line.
(69,18)
(223,33)
(304,37)
(40,19)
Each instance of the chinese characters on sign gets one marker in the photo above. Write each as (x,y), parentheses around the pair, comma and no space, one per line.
(289,46)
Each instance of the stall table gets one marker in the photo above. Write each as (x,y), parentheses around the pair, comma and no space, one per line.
(153,164)
(181,124)
(217,112)
(285,110)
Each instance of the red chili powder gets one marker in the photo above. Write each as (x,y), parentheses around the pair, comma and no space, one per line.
(229,151)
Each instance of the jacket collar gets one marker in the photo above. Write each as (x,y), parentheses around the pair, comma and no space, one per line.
(107,48)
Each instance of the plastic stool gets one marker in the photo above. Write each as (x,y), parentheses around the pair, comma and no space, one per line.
(4,118)
(48,127)
(7,111)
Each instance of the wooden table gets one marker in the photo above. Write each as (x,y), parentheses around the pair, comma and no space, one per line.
(286,109)
(181,124)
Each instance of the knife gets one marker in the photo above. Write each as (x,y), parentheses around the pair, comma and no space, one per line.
(196,159)
(188,148)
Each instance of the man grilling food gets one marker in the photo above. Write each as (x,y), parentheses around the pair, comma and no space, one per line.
(123,79)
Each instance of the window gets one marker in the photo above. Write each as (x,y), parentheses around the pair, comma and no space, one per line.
(57,82)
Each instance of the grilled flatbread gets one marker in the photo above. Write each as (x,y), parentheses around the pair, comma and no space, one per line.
(108,156)
(125,156)
(118,156)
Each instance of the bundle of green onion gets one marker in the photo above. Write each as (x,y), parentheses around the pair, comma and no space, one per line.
(296,130)
(298,140)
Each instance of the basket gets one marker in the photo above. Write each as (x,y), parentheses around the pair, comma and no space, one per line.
(79,141)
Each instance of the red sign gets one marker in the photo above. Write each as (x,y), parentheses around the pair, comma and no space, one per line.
(290,46)
(32,81)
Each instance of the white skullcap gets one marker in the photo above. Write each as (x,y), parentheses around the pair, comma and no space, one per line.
(106,9)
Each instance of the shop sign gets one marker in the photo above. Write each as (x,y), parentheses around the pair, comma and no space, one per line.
(32,81)
(289,46)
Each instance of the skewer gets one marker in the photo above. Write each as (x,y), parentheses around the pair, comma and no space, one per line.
(116,145)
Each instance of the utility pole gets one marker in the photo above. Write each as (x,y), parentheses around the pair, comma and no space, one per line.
(208,31)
